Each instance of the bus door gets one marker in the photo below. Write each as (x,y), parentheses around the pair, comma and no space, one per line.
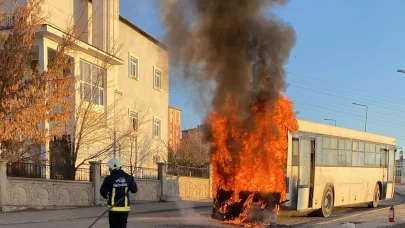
(305,171)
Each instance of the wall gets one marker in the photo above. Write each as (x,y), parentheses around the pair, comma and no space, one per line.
(22,193)
(40,192)
(194,188)
(139,94)
(148,190)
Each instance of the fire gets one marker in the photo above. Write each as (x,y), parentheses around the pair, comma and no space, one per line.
(249,158)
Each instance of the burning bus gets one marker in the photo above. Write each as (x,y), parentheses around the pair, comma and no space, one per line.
(295,164)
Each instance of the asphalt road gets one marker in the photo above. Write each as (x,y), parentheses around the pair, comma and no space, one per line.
(200,218)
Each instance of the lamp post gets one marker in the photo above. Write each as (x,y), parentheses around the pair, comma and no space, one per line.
(365,124)
(331,120)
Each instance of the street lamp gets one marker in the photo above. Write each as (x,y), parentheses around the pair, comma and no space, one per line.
(331,120)
(401,71)
(365,124)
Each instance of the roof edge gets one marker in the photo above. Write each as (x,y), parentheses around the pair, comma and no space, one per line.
(147,35)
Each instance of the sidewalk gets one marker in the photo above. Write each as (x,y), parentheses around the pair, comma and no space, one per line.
(400,189)
(93,212)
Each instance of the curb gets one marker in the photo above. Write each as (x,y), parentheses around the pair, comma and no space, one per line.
(95,216)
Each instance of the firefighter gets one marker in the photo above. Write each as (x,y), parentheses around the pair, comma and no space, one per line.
(116,187)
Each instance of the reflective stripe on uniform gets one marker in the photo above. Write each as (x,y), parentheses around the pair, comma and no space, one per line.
(113,196)
(121,209)
(126,197)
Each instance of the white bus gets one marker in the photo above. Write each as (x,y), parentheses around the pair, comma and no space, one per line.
(330,166)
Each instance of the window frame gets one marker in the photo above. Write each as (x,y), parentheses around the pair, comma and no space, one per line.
(101,90)
(160,78)
(130,57)
(160,127)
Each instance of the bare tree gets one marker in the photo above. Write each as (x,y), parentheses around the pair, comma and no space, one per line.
(139,147)
(192,152)
(29,97)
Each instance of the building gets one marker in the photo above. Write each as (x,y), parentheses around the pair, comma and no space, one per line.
(187,133)
(174,129)
(136,78)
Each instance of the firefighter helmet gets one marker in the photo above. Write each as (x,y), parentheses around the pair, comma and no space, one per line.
(114,164)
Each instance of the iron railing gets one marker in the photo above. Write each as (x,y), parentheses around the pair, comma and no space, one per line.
(187,171)
(137,172)
(32,170)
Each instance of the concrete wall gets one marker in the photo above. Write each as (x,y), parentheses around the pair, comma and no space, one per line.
(42,193)
(22,193)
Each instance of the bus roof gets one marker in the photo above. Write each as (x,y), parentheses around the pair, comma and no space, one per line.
(325,129)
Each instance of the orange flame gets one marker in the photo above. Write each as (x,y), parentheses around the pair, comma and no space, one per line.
(250,154)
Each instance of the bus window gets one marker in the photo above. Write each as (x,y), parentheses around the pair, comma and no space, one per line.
(295,149)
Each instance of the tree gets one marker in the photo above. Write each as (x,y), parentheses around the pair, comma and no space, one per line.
(193,150)
(91,133)
(139,147)
(30,97)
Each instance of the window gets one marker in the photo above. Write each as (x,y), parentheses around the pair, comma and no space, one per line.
(171,127)
(92,83)
(171,135)
(133,67)
(133,117)
(156,127)
(295,148)
(157,79)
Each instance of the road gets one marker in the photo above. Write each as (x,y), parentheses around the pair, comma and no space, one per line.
(200,218)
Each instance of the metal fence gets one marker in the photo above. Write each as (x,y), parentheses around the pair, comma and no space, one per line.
(137,172)
(32,170)
(186,171)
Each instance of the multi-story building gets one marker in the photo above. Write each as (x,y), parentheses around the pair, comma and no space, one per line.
(174,128)
(137,74)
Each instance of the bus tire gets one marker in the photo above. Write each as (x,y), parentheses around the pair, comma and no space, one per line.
(327,202)
(376,197)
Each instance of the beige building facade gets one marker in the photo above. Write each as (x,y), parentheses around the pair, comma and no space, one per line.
(136,79)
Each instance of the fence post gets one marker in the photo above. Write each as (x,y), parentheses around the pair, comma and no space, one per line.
(162,168)
(95,177)
(3,184)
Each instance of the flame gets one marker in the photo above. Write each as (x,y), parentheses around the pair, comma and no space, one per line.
(249,153)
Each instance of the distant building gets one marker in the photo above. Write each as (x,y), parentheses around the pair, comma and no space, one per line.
(192,131)
(174,128)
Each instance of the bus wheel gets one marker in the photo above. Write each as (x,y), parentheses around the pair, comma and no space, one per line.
(327,202)
(376,197)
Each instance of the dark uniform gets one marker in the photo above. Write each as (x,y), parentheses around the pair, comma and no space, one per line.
(116,186)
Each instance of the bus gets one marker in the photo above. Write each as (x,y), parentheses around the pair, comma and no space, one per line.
(329,166)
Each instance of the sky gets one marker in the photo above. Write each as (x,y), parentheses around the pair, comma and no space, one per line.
(346,51)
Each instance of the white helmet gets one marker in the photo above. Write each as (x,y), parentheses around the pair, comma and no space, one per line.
(114,164)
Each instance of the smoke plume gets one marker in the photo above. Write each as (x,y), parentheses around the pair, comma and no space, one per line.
(241,45)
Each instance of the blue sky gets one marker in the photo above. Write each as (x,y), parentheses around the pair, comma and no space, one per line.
(346,51)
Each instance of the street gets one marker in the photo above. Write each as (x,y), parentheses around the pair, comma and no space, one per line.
(199,217)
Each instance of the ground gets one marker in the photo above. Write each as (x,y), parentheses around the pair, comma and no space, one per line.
(360,216)
(199,217)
